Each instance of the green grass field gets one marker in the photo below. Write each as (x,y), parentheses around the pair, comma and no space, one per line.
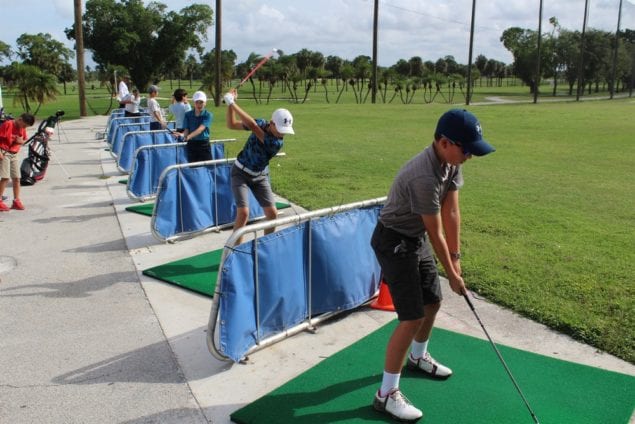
(548,220)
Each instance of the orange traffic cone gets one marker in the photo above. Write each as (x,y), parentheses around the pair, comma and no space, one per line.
(384,300)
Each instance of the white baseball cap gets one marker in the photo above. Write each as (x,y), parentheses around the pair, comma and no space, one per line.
(199,96)
(283,120)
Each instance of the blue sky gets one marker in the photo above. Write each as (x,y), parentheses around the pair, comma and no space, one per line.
(407,28)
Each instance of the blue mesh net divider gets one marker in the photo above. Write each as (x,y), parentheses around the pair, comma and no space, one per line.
(195,198)
(150,161)
(133,140)
(331,254)
(120,133)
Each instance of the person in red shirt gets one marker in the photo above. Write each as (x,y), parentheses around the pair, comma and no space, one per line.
(12,137)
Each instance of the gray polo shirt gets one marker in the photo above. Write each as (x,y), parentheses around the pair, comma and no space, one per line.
(419,189)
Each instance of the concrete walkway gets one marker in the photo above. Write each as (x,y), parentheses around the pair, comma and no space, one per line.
(86,338)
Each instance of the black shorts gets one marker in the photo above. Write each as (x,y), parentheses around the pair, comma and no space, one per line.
(198,150)
(409,270)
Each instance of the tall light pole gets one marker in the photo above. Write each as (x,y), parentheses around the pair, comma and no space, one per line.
(538,57)
(219,64)
(79,47)
(469,64)
(581,70)
(617,43)
(374,77)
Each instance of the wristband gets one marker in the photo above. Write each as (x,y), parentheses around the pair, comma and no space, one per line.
(455,255)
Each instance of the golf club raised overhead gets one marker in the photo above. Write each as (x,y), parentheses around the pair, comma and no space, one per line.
(258,65)
(255,68)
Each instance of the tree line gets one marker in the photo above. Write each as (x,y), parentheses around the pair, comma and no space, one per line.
(151,44)
(563,53)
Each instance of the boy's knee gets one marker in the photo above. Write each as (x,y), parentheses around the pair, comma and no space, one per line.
(242,213)
(271,213)
(432,308)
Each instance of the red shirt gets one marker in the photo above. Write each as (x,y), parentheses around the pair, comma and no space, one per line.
(9,131)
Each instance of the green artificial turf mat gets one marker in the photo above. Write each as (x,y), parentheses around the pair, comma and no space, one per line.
(197,273)
(146,208)
(143,209)
(125,181)
(341,388)
(281,205)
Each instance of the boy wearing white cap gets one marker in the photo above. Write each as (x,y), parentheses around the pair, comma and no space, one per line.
(251,168)
(196,129)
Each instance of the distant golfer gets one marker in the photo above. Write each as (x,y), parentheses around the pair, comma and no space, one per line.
(251,168)
(422,204)
(197,124)
(157,120)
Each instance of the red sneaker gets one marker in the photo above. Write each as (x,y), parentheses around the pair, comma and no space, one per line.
(3,207)
(17,204)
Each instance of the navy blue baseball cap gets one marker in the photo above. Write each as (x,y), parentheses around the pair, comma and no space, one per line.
(461,126)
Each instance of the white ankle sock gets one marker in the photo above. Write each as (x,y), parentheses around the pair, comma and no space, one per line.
(388,383)
(418,349)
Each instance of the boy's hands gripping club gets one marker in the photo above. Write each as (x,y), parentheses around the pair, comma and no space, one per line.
(230,97)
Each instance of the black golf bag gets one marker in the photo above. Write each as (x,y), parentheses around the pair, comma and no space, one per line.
(4,116)
(34,166)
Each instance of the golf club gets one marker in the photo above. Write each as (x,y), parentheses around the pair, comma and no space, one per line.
(469,302)
(59,163)
(258,65)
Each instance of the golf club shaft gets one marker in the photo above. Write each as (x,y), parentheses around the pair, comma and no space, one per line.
(60,164)
(255,68)
(533,415)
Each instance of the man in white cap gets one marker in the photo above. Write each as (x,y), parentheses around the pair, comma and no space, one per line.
(196,130)
(422,211)
(251,168)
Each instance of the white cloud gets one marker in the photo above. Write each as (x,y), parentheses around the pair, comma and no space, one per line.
(65,9)
(425,28)
(274,15)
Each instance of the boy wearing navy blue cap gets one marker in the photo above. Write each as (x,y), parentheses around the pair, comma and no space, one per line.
(422,205)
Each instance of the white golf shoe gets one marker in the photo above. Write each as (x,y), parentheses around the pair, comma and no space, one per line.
(430,366)
(397,406)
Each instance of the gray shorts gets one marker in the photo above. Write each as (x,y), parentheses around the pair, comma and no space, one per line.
(242,182)
(409,270)
(10,166)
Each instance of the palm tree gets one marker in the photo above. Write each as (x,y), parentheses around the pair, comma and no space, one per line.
(190,65)
(30,83)
(346,73)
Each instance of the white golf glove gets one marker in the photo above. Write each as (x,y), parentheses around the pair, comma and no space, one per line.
(229,99)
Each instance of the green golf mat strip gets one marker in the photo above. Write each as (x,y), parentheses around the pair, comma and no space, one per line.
(197,273)
(125,181)
(143,209)
(341,388)
(146,208)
